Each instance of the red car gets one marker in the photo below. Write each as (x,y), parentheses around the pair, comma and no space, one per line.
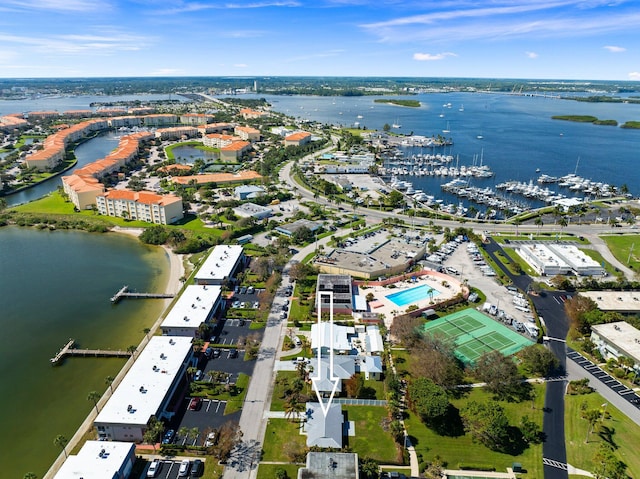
(195,404)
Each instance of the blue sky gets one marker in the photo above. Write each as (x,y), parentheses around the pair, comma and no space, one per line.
(558,39)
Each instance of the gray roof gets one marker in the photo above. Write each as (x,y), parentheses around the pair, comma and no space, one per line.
(324,431)
(330,465)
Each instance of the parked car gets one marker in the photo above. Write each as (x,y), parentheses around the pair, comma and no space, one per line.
(185,467)
(216,353)
(198,375)
(256,304)
(235,304)
(250,290)
(208,352)
(168,436)
(154,468)
(197,468)
(211,439)
(233,353)
(243,290)
(195,404)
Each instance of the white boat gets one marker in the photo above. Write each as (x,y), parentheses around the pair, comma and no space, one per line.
(461,108)
(447,130)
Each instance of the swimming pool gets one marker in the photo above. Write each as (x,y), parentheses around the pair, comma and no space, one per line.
(402,298)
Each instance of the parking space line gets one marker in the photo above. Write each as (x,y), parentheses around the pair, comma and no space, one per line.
(625,392)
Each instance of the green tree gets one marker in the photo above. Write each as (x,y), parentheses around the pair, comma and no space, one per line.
(530,430)
(538,360)
(281,473)
(607,465)
(591,416)
(428,400)
(30,475)
(369,468)
(354,385)
(61,441)
(94,397)
(500,373)
(109,382)
(487,423)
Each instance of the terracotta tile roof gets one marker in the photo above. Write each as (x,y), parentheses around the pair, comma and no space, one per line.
(236,146)
(301,135)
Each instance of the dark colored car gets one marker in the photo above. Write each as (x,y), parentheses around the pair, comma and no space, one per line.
(195,404)
(233,353)
(197,468)
(168,436)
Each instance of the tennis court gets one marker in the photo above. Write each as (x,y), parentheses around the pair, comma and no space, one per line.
(475,334)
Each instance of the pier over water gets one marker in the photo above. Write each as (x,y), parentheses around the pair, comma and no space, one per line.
(124,293)
(69,350)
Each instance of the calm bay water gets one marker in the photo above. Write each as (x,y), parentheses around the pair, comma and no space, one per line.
(55,286)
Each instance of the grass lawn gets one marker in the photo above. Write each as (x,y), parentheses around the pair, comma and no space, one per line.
(53,204)
(626,434)
(462,450)
(234,403)
(277,398)
(268,471)
(401,359)
(280,433)
(370,439)
(621,247)
(524,266)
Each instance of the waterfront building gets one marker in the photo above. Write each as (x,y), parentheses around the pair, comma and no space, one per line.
(141,205)
(82,190)
(221,265)
(146,390)
(215,128)
(197,305)
(100,460)
(42,115)
(125,122)
(297,139)
(78,113)
(615,340)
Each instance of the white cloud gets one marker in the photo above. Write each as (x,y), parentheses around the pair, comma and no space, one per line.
(634,76)
(240,65)
(186,7)
(615,49)
(57,5)
(426,57)
(531,55)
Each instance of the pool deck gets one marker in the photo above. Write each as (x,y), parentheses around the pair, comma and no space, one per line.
(429,278)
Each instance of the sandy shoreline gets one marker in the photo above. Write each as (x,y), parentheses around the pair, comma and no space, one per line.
(176,265)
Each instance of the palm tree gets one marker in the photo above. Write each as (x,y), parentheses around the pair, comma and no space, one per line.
(539,222)
(293,406)
(146,331)
(30,475)
(191,370)
(109,382)
(184,433)
(61,441)
(194,432)
(95,397)
(132,350)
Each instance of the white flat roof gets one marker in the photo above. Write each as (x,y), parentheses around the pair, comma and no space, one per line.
(147,382)
(96,460)
(623,301)
(622,335)
(574,257)
(546,257)
(193,307)
(321,336)
(220,263)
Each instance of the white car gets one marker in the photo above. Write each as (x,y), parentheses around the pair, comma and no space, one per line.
(154,468)
(185,466)
(211,437)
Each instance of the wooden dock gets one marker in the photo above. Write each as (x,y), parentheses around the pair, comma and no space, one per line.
(124,293)
(69,350)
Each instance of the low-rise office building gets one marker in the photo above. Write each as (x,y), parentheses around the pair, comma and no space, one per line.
(251,210)
(146,390)
(618,339)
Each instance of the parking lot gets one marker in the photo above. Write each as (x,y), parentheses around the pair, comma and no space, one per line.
(604,377)
(168,469)
(227,331)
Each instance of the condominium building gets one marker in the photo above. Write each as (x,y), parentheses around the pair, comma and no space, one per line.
(141,205)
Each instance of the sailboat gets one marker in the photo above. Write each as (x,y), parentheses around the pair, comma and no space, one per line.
(461,108)
(447,130)
(396,124)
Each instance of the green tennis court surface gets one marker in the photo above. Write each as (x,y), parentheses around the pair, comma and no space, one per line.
(475,334)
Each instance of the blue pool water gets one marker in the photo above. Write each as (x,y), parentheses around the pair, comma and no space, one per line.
(408,296)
